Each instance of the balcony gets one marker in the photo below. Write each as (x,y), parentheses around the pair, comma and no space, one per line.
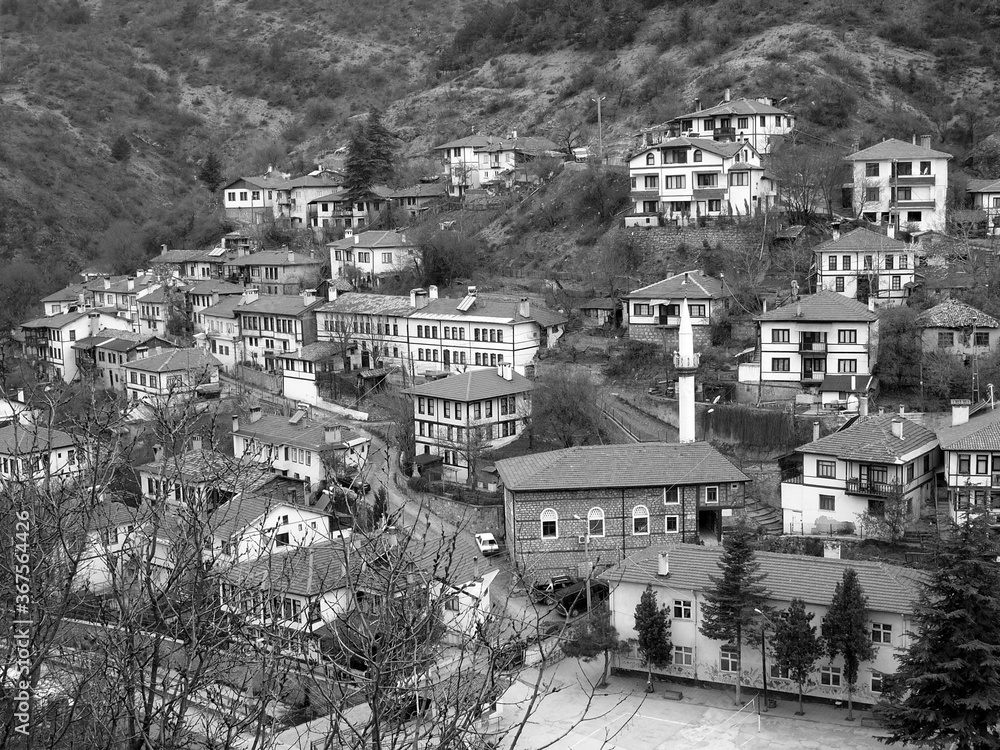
(720,134)
(812,377)
(812,346)
(907,180)
(792,477)
(645,195)
(868,488)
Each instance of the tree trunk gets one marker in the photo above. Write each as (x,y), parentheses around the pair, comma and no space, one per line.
(739,663)
(850,702)
(649,677)
(604,672)
(800,712)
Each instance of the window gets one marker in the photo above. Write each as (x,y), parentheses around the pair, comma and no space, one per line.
(831,263)
(838,284)
(829,676)
(982,464)
(827,502)
(763,121)
(651,182)
(697,154)
(697,311)
(946,339)
(739,179)
(871,169)
(683,656)
(904,168)
(869,261)
(847,365)
(641,310)
(896,283)
(780,336)
(595,522)
(711,495)
(682,609)
(672,525)
(878,682)
(964,463)
(890,262)
(847,336)
(781,364)
(910,471)
(872,195)
(714,205)
(675,182)
(826,469)
(904,194)
(710,179)
(387,258)
(743,122)
(243,195)
(904,262)
(650,159)
(281,540)
(881,632)
(847,262)
(914,217)
(727,659)
(640,520)
(550,524)
(982,338)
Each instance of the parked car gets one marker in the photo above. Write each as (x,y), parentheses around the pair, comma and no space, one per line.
(487,544)
(547,591)
(573,600)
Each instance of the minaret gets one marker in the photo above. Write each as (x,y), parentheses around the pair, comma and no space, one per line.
(686,363)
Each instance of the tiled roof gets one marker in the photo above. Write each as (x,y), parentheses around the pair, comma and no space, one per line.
(272,183)
(162,294)
(473,386)
(241,511)
(983,186)
(871,439)
(175,360)
(893,148)
(275,258)
(56,321)
(206,465)
(18,438)
(888,588)
(725,149)
(600,303)
(736,107)
(690,284)
(317,351)
(119,284)
(431,190)
(70,293)
(742,166)
(634,465)
(368,304)
(306,434)
(373,239)
(290,305)
(861,239)
(524,144)
(224,308)
(178,256)
(315,180)
(473,141)
(981,432)
(952,278)
(955,314)
(822,307)
(502,309)
(215,285)
(306,571)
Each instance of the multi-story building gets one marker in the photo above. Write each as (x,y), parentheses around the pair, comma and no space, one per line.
(164,307)
(504,161)
(204,294)
(758,122)
(31,453)
(957,328)
(864,264)
(373,324)
(257,200)
(972,461)
(364,257)
(172,376)
(303,191)
(121,293)
(336,210)
(416,199)
(273,326)
(803,341)
(49,341)
(985,196)
(684,179)
(900,184)
(192,265)
(461,416)
(570,509)
(69,299)
(873,461)
(105,354)
(276,272)
(682,579)
(219,327)
(652,313)
(461,163)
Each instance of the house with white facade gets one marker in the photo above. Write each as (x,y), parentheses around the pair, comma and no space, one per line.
(336,209)
(954,327)
(172,376)
(190,264)
(276,272)
(303,191)
(985,196)
(32,453)
(872,461)
(257,200)
(373,325)
(901,184)
(363,257)
(121,293)
(306,373)
(460,159)
(104,355)
(971,447)
(417,199)
(272,326)
(684,179)
(49,340)
(864,264)
(681,578)
(218,327)
(505,161)
(67,299)
(652,313)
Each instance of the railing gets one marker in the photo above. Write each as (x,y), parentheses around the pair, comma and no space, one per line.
(872,489)
(792,478)
(812,376)
(812,346)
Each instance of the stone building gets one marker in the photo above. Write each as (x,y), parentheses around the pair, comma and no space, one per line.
(652,313)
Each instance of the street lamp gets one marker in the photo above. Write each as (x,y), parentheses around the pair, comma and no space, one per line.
(586,554)
(763,655)
(600,127)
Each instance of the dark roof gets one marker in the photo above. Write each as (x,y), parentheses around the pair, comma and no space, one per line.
(206,465)
(306,434)
(524,144)
(369,304)
(70,293)
(275,258)
(290,305)
(687,284)
(307,571)
(792,232)
(955,314)
(215,285)
(725,149)
(373,239)
(741,106)
(224,308)
(132,341)
(21,439)
(433,190)
(871,439)
(950,278)
(316,352)
(982,432)
(862,239)
(634,465)
(983,186)
(473,386)
(601,303)
(174,360)
(473,141)
(56,321)
(273,183)
(848,383)
(820,307)
(888,588)
(179,256)
(893,148)
(505,309)
(243,510)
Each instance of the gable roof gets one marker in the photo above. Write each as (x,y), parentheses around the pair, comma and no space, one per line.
(243,509)
(175,360)
(291,305)
(306,434)
(224,308)
(56,321)
(983,186)
(368,304)
(871,439)
(306,571)
(725,149)
(888,588)
(821,307)
(180,255)
(21,439)
(500,308)
(208,286)
(981,432)
(694,284)
(742,106)
(893,148)
(863,239)
(275,258)
(612,466)
(470,141)
(473,386)
(69,294)
(524,144)
(423,190)
(373,239)
(955,314)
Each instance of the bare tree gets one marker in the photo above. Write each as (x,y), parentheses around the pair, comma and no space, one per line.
(564,405)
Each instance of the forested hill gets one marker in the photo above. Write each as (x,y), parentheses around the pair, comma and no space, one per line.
(265,82)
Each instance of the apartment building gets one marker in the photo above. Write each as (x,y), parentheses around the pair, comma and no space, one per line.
(275,325)
(864,264)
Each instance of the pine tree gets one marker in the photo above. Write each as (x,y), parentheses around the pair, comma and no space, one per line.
(211,172)
(593,637)
(652,625)
(729,609)
(370,156)
(121,149)
(797,646)
(846,631)
(946,690)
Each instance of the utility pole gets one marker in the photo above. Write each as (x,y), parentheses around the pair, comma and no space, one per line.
(586,554)
(600,129)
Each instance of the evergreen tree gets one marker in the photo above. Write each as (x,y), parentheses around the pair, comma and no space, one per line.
(121,149)
(946,691)
(797,646)
(370,155)
(847,633)
(728,612)
(593,637)
(211,172)
(652,624)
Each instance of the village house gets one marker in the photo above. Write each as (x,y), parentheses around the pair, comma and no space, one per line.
(364,257)
(652,313)
(190,264)
(505,161)
(337,210)
(121,293)
(104,355)
(601,312)
(303,191)
(172,376)
(593,506)
(203,294)
(276,272)
(971,446)
(32,453)
(373,325)
(681,578)
(459,417)
(68,299)
(901,184)
(162,308)
(954,327)
(873,462)
(460,159)
(985,196)
(49,340)
(273,326)
(257,200)
(307,372)
(864,264)
(218,327)
(417,199)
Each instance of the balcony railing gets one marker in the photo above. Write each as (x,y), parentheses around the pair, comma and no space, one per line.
(812,346)
(869,488)
(791,477)
(812,376)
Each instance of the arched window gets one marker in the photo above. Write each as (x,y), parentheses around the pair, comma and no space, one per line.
(595,522)
(650,159)
(550,524)
(640,520)
(697,155)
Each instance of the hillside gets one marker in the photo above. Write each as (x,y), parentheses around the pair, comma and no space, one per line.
(267,83)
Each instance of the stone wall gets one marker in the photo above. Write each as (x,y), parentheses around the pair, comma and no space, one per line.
(667,337)
(667,239)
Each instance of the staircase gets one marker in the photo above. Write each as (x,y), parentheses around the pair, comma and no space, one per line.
(766,516)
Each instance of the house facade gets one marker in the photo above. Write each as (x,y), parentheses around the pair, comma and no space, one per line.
(417,199)
(275,272)
(864,264)
(30,453)
(875,461)
(461,416)
(364,257)
(104,355)
(901,184)
(174,375)
(652,313)
(253,524)
(275,325)
(985,196)
(337,209)
(189,264)
(257,200)
(954,327)
(460,162)
(504,161)
(971,447)
(49,340)
(680,577)
(593,506)
(218,327)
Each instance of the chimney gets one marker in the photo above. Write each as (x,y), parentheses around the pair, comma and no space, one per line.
(663,564)
(505,370)
(157,452)
(836,231)
(131,283)
(914,139)
(308,297)
(236,423)
(432,291)
(349,232)
(855,146)
(862,406)
(513,135)
(726,96)
(255,414)
(163,248)
(310,574)
(871,304)
(472,291)
(196,443)
(215,297)
(107,282)
(960,411)
(816,430)
(697,105)
(332,292)
(897,427)
(357,239)
(418,298)
(291,255)
(890,231)
(798,309)
(687,278)
(524,308)
(831,550)
(333,434)
(402,238)
(902,410)
(925,141)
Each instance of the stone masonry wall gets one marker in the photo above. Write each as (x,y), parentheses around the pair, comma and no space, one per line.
(667,337)
(667,239)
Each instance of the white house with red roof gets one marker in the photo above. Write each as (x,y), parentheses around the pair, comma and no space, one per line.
(864,264)
(858,469)
(652,313)
(901,184)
